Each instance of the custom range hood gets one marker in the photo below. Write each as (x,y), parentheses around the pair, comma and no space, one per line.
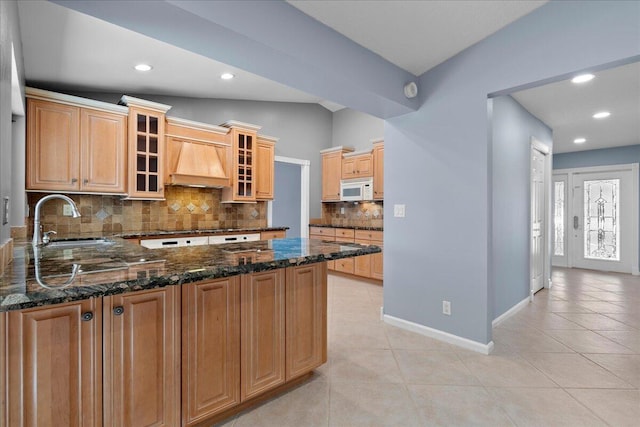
(197,154)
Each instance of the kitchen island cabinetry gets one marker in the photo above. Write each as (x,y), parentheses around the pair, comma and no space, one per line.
(142,358)
(262,342)
(72,148)
(210,348)
(53,365)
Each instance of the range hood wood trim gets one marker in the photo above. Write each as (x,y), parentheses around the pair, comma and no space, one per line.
(198,180)
(201,164)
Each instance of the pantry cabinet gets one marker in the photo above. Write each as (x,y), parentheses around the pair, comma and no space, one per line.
(210,348)
(72,148)
(53,365)
(142,358)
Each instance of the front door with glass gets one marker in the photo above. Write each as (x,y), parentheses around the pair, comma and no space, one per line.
(602,221)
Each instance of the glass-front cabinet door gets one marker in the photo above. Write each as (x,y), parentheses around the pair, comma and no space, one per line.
(146,149)
(243,139)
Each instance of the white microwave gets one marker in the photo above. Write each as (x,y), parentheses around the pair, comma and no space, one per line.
(356,189)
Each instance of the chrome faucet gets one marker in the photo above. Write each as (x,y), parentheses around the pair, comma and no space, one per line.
(37,228)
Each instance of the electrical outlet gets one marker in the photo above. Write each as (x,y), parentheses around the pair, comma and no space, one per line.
(446,308)
(342,211)
(398,211)
(67,211)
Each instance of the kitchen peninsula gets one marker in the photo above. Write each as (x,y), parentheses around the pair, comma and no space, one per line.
(182,336)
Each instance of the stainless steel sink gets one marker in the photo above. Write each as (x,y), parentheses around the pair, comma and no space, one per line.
(79,243)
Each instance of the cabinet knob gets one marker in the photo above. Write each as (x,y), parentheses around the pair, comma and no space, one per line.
(118,310)
(85,181)
(74,180)
(87,316)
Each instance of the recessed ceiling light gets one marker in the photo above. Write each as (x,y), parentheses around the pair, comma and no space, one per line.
(227,76)
(143,67)
(582,78)
(601,115)
(580,140)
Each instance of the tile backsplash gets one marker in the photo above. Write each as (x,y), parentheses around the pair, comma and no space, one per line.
(185,208)
(361,214)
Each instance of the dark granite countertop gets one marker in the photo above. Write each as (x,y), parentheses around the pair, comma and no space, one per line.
(122,266)
(160,233)
(351,227)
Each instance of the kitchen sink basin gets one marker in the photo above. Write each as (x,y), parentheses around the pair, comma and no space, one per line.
(79,243)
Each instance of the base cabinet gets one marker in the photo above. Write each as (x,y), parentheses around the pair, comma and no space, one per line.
(210,348)
(142,358)
(306,318)
(262,339)
(53,366)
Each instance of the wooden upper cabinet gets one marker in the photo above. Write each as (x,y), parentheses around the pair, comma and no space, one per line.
(357,166)
(262,345)
(332,172)
(243,139)
(53,150)
(265,157)
(146,148)
(54,361)
(378,170)
(103,138)
(306,318)
(71,148)
(142,358)
(210,348)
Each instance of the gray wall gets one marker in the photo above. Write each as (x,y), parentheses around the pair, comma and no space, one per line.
(512,127)
(443,248)
(9,33)
(303,129)
(287,197)
(352,128)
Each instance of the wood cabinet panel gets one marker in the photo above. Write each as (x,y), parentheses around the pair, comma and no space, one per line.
(210,348)
(360,166)
(345,235)
(142,358)
(54,364)
(306,318)
(362,263)
(243,167)
(53,155)
(146,153)
(279,234)
(378,171)
(103,147)
(262,347)
(331,172)
(324,233)
(345,265)
(377,271)
(265,157)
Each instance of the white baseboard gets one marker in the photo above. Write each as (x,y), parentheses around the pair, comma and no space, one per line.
(513,310)
(635,271)
(439,335)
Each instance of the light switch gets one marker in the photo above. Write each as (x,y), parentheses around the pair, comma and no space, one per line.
(398,211)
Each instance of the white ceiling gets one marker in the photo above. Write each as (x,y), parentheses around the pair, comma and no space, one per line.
(568,108)
(416,35)
(68,50)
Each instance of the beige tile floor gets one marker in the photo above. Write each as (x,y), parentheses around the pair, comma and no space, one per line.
(570,358)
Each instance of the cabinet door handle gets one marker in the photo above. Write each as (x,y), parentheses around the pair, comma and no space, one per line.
(87,316)
(85,181)
(74,180)
(118,310)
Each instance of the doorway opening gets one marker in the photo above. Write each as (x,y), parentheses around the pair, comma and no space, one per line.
(290,204)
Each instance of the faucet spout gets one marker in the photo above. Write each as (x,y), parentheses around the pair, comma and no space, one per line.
(37,232)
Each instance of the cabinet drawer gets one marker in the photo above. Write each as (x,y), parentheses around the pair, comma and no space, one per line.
(266,235)
(344,265)
(345,233)
(322,231)
(369,235)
